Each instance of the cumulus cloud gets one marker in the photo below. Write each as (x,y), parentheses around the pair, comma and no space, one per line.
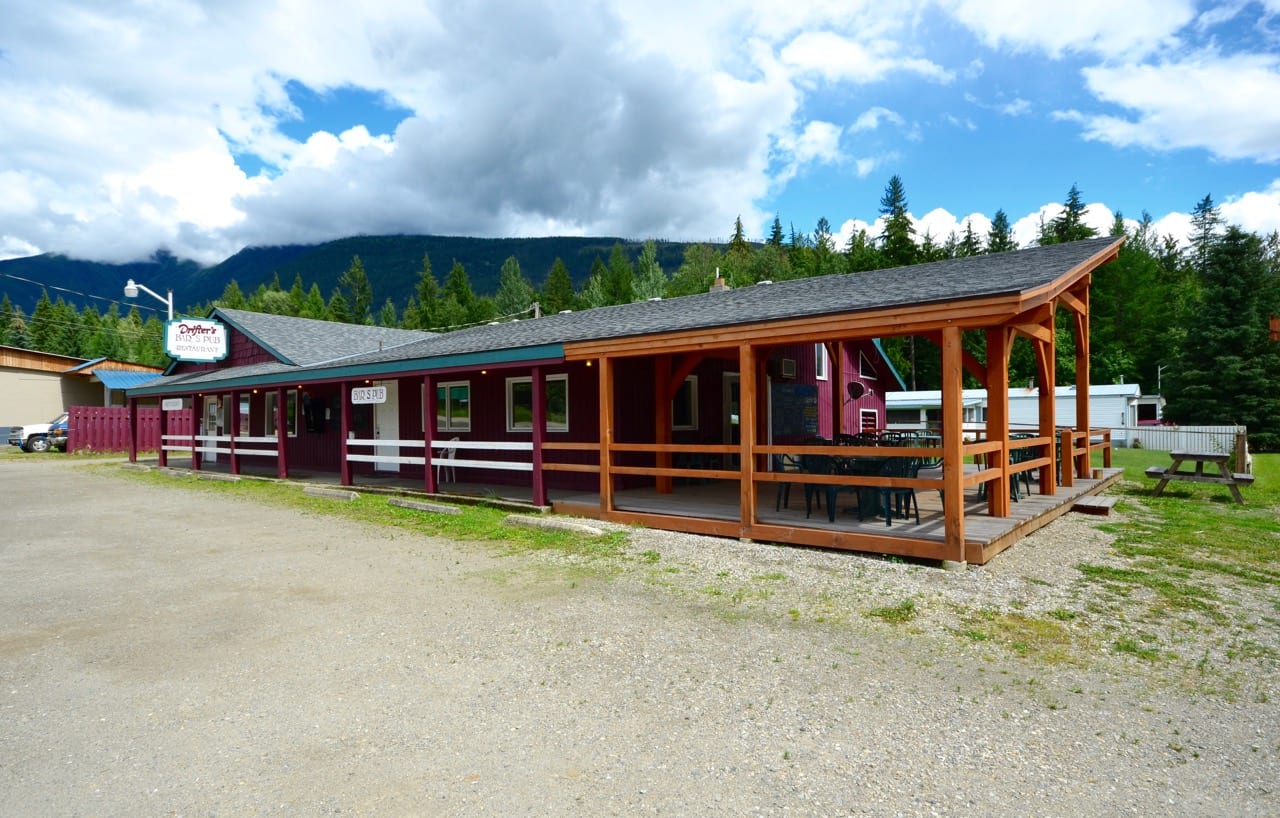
(1224,104)
(1099,27)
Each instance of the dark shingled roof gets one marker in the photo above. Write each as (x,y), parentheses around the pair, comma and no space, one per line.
(307,342)
(315,346)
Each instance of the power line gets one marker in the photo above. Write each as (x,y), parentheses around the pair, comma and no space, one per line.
(69,291)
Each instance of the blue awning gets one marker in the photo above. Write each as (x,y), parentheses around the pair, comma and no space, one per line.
(122,379)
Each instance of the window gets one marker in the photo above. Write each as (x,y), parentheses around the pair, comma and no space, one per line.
(453,406)
(684,407)
(869,420)
(865,368)
(290,413)
(903,417)
(820,362)
(520,404)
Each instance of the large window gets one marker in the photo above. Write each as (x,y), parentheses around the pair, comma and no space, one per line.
(290,412)
(453,406)
(684,407)
(520,404)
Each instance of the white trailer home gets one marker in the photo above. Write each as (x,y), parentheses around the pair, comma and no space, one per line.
(1118,407)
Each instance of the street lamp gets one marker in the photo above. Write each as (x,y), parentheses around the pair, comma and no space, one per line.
(131,291)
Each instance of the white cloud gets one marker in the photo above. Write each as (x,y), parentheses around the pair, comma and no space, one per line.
(1225,105)
(1100,27)
(870,119)
(1256,211)
(836,58)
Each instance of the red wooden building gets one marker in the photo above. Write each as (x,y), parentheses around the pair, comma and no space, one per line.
(672,413)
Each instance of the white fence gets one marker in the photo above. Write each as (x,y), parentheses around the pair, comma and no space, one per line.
(1187,438)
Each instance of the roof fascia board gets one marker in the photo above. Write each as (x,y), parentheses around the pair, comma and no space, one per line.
(548,354)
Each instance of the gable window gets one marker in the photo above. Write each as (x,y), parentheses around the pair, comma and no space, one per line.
(290,413)
(453,406)
(820,361)
(684,407)
(865,368)
(520,404)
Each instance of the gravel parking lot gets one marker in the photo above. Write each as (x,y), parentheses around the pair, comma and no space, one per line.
(167,651)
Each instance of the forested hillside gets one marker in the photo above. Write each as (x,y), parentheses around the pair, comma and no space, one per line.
(1185,314)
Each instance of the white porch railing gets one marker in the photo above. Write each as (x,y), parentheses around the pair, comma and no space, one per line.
(437,458)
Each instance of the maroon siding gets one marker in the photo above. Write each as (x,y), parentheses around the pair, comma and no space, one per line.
(106,428)
(241,351)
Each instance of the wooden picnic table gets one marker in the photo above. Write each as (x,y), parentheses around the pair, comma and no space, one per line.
(1224,476)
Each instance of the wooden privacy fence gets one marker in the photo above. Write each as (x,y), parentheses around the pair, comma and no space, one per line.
(106,428)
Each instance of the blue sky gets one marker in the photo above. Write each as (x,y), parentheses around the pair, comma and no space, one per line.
(203,128)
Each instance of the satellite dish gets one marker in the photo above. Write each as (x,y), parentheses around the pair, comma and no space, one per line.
(855,390)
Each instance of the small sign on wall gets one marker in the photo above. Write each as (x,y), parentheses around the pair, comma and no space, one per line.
(369,394)
(171,404)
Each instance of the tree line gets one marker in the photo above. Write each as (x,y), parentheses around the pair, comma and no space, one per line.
(1186,316)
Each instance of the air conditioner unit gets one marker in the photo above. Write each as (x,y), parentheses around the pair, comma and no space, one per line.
(788,368)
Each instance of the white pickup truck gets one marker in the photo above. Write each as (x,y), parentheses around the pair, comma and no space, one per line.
(40,437)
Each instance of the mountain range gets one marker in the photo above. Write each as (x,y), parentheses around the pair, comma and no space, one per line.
(393,264)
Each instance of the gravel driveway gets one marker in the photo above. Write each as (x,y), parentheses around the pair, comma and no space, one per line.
(168,651)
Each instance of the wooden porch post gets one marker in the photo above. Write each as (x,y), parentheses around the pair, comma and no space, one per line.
(1080,326)
(953,443)
(835,375)
(662,418)
(1046,368)
(429,412)
(133,430)
(539,396)
(162,456)
(747,433)
(282,432)
(344,391)
(233,429)
(998,411)
(606,434)
(197,428)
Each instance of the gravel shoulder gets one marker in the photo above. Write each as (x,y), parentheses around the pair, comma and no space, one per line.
(168,651)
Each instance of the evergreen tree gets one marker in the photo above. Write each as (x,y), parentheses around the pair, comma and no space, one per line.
(825,260)
(338,310)
(1000,236)
(1206,223)
(314,306)
(593,292)
(355,281)
(458,287)
(297,296)
(387,316)
(41,329)
(896,242)
(232,297)
(557,291)
(6,317)
(1229,369)
(515,292)
(775,234)
(1069,224)
(426,307)
(738,242)
(17,329)
(651,281)
(970,244)
(619,283)
(860,254)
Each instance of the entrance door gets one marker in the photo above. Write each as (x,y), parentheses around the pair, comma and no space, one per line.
(732,416)
(386,425)
(212,427)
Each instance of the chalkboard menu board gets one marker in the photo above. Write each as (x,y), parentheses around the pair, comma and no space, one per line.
(795,411)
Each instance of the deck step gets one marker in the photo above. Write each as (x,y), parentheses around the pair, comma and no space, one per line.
(1092,504)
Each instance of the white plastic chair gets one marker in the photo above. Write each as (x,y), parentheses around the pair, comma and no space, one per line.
(443,468)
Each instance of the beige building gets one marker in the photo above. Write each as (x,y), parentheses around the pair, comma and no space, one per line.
(38,386)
